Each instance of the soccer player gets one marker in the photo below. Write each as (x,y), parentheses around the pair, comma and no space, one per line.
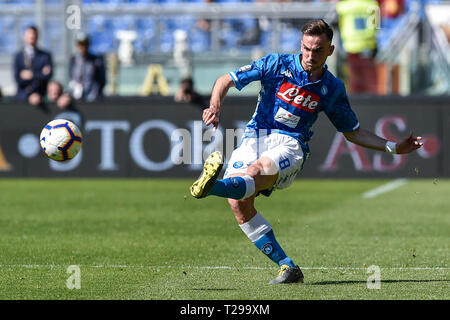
(295,88)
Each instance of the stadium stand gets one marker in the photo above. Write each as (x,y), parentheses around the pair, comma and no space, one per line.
(233,35)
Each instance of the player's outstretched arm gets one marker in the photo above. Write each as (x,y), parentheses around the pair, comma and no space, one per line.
(370,140)
(219,91)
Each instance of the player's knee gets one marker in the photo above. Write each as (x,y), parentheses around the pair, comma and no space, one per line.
(254,170)
(262,167)
(268,166)
(264,172)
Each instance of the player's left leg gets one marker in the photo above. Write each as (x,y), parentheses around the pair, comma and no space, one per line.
(257,228)
(260,232)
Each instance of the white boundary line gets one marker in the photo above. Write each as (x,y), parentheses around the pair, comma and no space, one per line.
(52,266)
(385,188)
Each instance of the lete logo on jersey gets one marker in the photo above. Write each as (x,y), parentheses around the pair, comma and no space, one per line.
(298,97)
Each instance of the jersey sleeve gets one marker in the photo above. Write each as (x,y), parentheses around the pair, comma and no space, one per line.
(340,113)
(259,70)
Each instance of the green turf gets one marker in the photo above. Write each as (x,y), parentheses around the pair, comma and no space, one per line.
(148,239)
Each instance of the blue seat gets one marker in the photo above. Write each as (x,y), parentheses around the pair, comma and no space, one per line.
(126,22)
(19,2)
(199,41)
(142,2)
(146,29)
(54,35)
(8,38)
(170,25)
(53,2)
(185,22)
(100,33)
(169,1)
(229,38)
(290,40)
(266,40)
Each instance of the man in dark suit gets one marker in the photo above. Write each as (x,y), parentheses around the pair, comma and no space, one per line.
(33,68)
(87,72)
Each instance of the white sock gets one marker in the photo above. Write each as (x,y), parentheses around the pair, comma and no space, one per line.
(256,227)
(249,186)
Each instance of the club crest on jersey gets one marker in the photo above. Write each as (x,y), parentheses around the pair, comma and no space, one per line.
(297,97)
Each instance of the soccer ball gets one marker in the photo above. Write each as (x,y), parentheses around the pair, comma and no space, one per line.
(61,140)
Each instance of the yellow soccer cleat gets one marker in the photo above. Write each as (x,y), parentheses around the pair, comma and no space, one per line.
(288,275)
(211,169)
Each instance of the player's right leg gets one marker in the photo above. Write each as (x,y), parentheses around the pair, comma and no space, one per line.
(239,187)
(260,175)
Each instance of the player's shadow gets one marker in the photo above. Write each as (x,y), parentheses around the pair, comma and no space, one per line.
(324,283)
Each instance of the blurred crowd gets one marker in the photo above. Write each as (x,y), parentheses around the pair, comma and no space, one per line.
(33,71)
(358,23)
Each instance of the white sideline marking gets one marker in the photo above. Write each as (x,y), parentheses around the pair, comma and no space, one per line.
(114,266)
(385,188)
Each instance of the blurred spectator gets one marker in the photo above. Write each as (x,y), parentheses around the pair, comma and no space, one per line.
(86,72)
(252,36)
(182,54)
(186,93)
(357,24)
(33,68)
(205,24)
(391,9)
(65,105)
(446,29)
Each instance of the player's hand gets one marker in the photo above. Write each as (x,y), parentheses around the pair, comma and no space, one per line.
(211,116)
(409,144)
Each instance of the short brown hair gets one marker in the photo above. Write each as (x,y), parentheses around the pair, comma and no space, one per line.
(317,28)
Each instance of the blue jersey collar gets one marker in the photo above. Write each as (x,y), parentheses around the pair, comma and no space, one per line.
(304,74)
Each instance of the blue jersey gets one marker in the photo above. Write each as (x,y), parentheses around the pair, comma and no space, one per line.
(288,103)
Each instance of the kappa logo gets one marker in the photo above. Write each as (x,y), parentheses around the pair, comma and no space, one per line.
(297,97)
(287,73)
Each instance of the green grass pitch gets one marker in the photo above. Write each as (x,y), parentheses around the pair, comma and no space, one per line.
(148,239)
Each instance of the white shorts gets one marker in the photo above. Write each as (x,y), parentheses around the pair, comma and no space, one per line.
(285,151)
